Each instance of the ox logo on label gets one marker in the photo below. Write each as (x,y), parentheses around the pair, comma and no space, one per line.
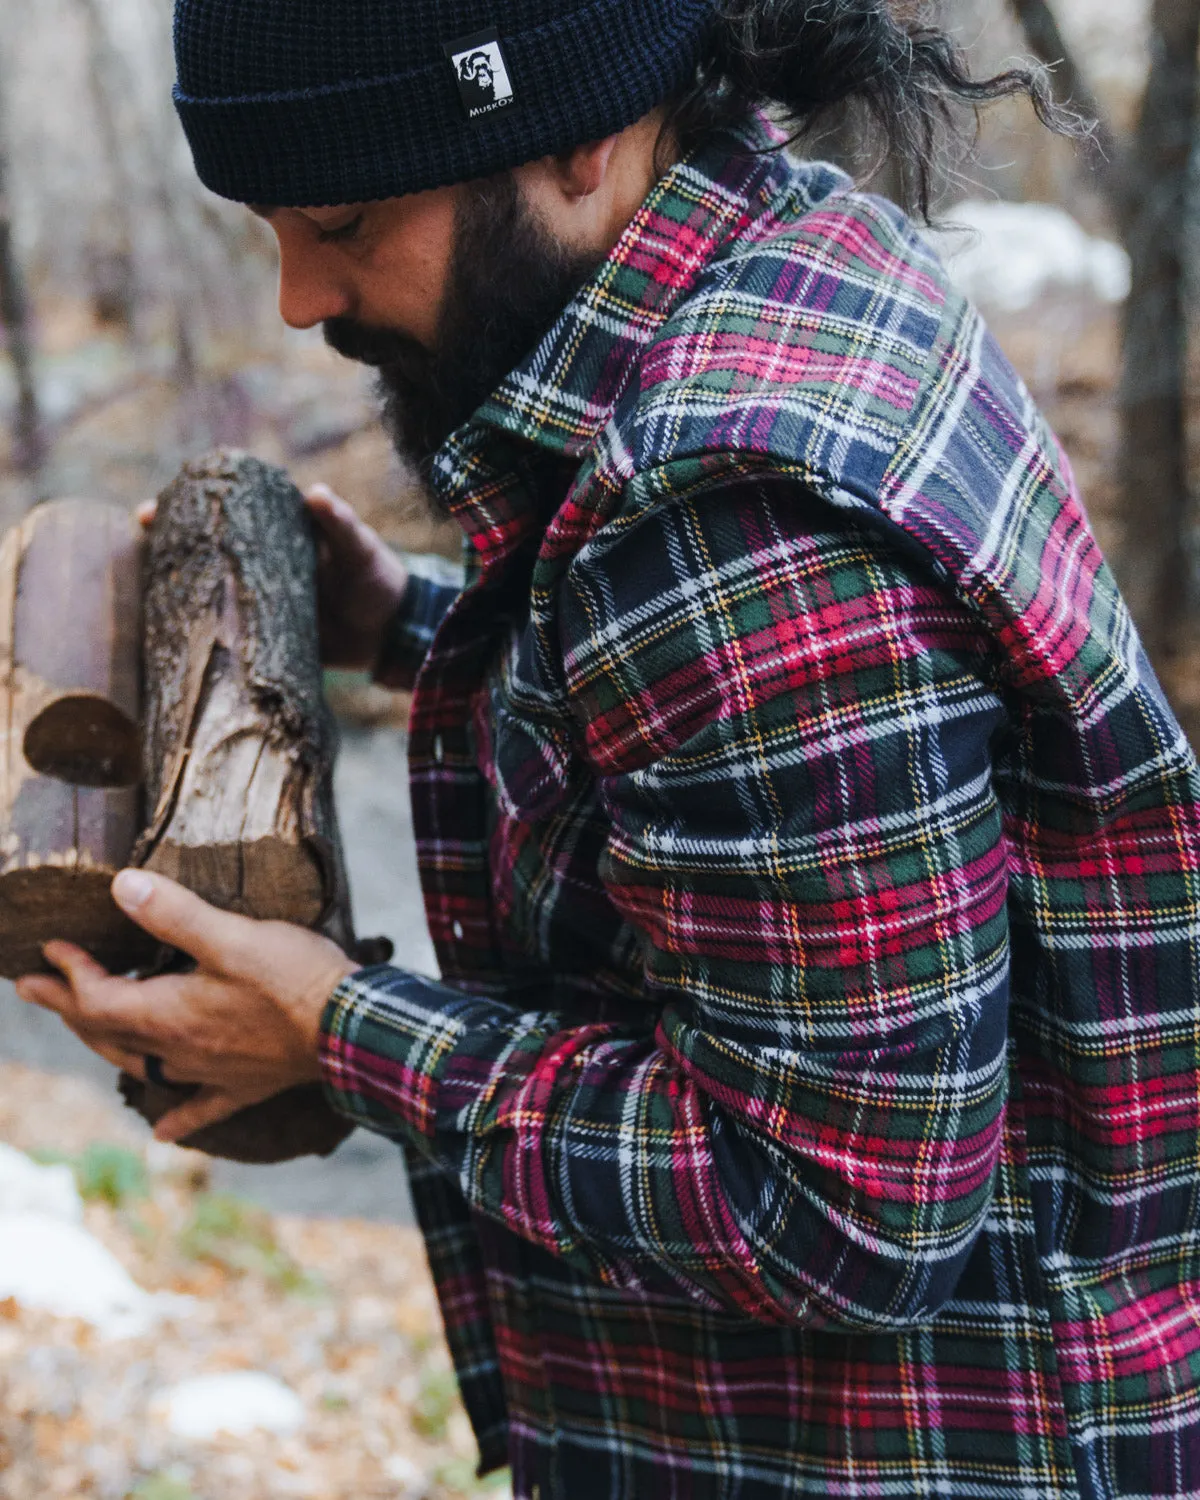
(481,74)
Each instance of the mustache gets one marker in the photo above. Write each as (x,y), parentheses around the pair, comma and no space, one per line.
(377,347)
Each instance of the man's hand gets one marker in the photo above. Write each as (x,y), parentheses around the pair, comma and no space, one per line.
(360,581)
(244,1026)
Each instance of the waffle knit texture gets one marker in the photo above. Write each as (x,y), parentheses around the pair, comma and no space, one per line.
(301,103)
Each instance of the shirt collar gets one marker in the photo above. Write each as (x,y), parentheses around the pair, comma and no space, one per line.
(563,394)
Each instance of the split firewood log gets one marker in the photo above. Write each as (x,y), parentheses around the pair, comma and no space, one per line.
(70,746)
(239,745)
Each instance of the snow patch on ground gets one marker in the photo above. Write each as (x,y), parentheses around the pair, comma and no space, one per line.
(407,1475)
(27,1187)
(50,1263)
(238,1403)
(1007,256)
(59,1268)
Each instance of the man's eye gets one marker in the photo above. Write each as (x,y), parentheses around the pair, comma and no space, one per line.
(342,233)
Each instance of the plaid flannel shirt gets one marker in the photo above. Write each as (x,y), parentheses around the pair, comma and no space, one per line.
(809,1104)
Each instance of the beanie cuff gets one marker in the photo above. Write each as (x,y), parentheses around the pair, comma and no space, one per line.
(577,78)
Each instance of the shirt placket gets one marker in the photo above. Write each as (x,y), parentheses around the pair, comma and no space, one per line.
(500,515)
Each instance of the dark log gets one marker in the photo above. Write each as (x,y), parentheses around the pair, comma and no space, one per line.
(71,755)
(239,744)
(295,1123)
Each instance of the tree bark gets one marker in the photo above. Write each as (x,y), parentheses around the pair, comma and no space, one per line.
(14,316)
(1071,88)
(69,749)
(115,296)
(187,282)
(1154,464)
(239,744)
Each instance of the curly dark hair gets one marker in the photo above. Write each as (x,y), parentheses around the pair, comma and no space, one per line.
(808,60)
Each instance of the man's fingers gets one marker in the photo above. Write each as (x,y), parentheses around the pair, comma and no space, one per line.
(346,535)
(79,1003)
(326,507)
(207,1106)
(324,501)
(81,968)
(51,994)
(120,1057)
(103,1012)
(82,978)
(146,512)
(220,941)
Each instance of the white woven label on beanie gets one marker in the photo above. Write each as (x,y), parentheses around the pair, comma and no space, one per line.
(480,73)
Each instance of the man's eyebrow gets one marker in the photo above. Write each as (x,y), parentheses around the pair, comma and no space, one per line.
(263,210)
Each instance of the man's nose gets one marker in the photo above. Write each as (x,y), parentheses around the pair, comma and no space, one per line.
(308,293)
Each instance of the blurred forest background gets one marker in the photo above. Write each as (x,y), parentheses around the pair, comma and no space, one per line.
(139,328)
(140,324)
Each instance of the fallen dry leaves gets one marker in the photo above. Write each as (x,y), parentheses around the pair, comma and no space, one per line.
(342,1312)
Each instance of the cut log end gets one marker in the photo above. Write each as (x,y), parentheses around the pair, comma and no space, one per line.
(266,879)
(70,749)
(85,740)
(48,902)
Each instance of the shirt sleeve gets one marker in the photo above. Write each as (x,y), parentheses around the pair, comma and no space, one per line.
(433,586)
(791,728)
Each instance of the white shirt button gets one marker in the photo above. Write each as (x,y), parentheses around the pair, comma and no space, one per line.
(457,930)
(438,748)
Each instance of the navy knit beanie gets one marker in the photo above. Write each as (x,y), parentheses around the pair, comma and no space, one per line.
(308,103)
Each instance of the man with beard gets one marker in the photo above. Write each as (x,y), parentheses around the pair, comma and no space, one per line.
(809,1103)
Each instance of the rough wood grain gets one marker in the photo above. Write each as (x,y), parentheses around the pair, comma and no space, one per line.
(69,741)
(238,742)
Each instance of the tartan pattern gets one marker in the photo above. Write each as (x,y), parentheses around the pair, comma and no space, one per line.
(810,1103)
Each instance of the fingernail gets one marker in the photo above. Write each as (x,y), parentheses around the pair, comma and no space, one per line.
(132,889)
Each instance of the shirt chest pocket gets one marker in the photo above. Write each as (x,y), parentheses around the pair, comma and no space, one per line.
(522,724)
(531,766)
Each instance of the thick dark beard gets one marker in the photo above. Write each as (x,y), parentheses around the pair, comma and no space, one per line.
(509,280)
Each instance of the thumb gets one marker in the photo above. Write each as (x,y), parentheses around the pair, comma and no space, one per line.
(217,940)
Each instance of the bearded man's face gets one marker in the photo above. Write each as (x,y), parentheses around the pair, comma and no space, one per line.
(508,280)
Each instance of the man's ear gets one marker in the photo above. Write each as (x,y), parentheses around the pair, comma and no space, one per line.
(579,173)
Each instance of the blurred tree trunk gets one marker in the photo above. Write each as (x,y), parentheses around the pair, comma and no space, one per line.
(113,86)
(124,280)
(1154,457)
(1146,181)
(1071,88)
(14,316)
